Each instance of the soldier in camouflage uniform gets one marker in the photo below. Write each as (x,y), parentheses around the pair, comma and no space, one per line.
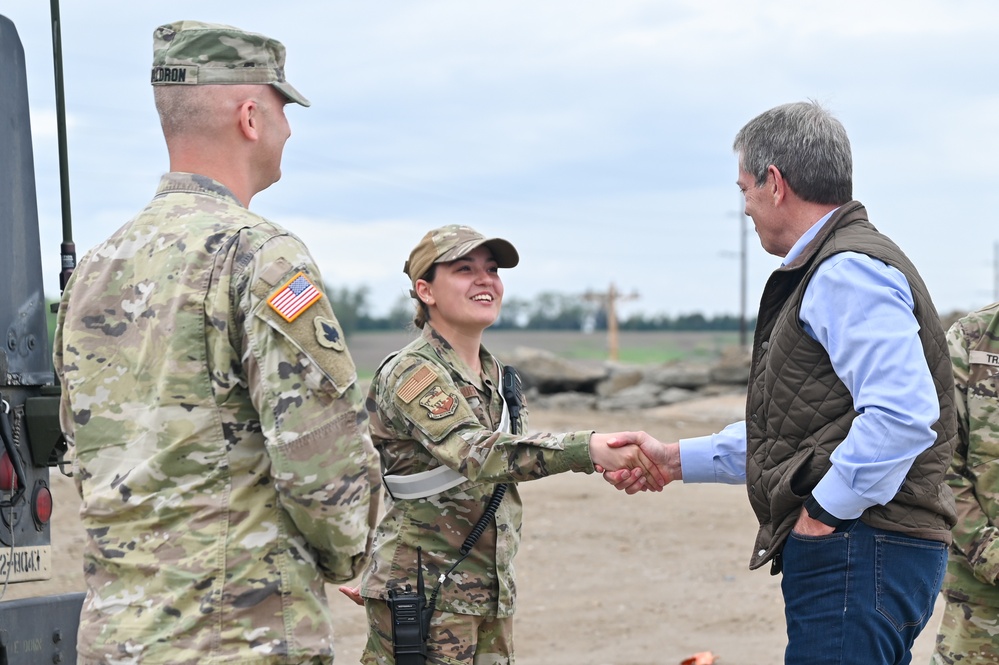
(437,403)
(221,448)
(969,630)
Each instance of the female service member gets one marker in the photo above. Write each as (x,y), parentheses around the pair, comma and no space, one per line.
(440,584)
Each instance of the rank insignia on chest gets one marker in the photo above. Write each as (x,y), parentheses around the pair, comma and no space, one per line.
(438,403)
(296,296)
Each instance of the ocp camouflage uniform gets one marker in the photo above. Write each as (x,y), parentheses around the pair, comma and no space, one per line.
(427,410)
(220,450)
(969,630)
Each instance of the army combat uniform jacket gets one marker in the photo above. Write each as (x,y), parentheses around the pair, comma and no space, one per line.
(427,410)
(973,565)
(220,446)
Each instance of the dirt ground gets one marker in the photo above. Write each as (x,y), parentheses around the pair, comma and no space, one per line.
(603,578)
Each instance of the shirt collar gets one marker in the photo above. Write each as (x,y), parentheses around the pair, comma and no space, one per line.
(194,183)
(446,353)
(807,237)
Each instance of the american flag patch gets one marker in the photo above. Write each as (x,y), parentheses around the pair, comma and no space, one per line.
(422,378)
(294,297)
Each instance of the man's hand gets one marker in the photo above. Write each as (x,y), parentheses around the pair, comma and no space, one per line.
(665,456)
(807,526)
(630,460)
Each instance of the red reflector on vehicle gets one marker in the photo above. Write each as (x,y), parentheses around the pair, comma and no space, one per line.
(41,505)
(8,479)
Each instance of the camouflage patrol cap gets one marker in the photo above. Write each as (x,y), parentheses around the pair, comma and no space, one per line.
(453,242)
(196,53)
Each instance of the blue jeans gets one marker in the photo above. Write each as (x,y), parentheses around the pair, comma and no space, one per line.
(858,596)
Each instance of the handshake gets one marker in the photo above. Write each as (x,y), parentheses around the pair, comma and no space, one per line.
(635,461)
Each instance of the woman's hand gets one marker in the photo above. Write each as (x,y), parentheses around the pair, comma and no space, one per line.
(664,456)
(352,592)
(626,452)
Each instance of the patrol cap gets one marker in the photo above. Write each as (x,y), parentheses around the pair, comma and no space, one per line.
(196,53)
(453,242)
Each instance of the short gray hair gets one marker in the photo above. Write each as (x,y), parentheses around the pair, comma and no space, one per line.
(808,146)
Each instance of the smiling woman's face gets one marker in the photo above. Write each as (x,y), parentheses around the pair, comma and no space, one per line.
(466,294)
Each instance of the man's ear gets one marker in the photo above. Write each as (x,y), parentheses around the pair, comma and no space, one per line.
(249,119)
(777,184)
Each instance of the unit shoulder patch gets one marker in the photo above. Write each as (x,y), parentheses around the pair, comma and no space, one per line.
(439,403)
(296,295)
(415,384)
(328,333)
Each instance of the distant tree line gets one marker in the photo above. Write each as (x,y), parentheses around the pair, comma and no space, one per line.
(548,311)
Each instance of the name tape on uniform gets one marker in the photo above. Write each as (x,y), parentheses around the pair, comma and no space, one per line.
(983,358)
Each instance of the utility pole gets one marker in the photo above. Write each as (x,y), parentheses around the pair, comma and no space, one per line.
(743,271)
(609,301)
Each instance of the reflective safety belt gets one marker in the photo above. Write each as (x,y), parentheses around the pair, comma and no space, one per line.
(427,483)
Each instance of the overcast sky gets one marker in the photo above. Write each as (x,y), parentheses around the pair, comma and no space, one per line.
(594,135)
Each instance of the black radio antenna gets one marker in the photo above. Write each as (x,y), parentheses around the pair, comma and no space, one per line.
(67,249)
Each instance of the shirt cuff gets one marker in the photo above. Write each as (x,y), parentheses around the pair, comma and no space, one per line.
(574,456)
(837,498)
(697,459)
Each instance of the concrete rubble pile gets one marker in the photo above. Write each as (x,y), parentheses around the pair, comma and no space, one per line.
(551,382)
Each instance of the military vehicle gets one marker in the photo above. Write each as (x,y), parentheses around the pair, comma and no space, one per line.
(39,629)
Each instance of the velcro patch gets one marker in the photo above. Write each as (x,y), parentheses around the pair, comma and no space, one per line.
(415,385)
(468,391)
(275,271)
(297,295)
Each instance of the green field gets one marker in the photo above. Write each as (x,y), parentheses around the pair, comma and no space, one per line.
(640,348)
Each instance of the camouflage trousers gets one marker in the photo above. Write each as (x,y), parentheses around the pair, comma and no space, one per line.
(968,634)
(455,639)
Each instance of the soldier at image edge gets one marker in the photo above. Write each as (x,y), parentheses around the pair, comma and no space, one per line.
(969,628)
(219,438)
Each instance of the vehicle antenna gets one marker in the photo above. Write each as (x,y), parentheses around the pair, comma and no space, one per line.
(67,248)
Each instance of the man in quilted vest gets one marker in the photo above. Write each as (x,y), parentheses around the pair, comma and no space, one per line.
(850,416)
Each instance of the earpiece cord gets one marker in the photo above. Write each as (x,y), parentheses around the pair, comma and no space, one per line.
(511,390)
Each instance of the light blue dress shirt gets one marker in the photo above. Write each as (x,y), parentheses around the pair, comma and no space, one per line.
(860,310)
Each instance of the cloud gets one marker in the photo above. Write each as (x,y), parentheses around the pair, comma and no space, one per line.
(595,135)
